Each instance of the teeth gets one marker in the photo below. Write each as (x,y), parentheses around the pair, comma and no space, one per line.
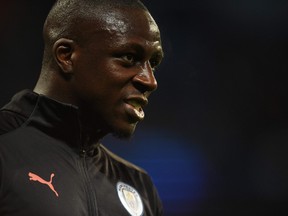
(139,112)
(137,108)
(135,105)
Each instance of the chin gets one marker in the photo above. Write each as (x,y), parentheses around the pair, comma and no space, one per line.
(124,133)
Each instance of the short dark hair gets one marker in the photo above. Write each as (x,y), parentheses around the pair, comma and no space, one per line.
(64,14)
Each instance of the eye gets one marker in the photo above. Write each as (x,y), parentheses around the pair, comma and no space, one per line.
(154,62)
(129,59)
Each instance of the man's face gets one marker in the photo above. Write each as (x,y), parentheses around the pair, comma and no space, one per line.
(114,70)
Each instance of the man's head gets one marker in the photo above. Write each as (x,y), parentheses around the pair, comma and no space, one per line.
(100,56)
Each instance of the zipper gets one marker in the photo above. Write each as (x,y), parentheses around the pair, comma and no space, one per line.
(91,196)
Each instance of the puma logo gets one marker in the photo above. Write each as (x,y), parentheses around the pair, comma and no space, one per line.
(34,177)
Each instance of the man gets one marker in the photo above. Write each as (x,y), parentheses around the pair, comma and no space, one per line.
(96,77)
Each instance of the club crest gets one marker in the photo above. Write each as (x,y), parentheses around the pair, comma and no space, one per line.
(130,199)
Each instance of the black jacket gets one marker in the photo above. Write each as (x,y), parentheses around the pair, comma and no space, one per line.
(46,168)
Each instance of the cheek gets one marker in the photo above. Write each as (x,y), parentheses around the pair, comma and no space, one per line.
(87,74)
(101,79)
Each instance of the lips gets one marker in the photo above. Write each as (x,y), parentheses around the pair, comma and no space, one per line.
(134,108)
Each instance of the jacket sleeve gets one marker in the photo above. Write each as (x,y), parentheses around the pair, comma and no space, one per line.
(10,121)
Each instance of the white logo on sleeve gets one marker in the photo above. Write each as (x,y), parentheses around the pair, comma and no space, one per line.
(130,199)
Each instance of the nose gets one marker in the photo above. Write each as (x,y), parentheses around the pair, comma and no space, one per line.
(145,80)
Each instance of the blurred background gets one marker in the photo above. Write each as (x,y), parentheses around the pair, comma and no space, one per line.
(215,137)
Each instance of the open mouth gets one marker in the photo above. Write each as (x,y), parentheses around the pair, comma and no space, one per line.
(135,108)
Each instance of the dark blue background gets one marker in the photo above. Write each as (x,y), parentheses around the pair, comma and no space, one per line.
(215,137)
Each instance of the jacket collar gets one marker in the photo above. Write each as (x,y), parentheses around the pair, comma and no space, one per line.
(56,119)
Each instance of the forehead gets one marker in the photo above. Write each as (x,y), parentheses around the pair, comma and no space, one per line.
(129,19)
(119,24)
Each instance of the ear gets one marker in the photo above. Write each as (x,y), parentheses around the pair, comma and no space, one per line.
(63,50)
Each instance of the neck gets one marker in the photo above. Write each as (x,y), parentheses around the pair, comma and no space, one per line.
(53,85)
(57,88)
(91,136)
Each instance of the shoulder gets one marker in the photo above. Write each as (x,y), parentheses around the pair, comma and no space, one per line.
(17,111)
(10,120)
(121,162)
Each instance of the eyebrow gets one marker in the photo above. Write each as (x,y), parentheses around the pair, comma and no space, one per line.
(140,48)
